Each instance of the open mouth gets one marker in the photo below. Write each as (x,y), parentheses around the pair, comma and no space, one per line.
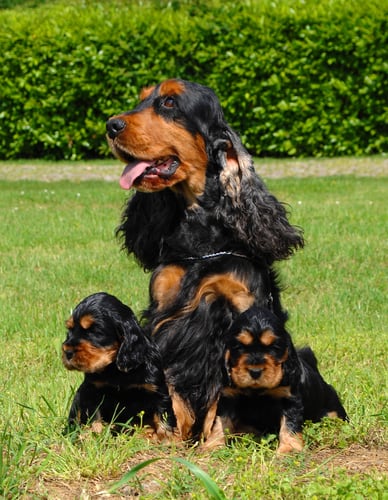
(136,170)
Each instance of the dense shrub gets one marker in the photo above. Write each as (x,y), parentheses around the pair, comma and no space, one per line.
(296,78)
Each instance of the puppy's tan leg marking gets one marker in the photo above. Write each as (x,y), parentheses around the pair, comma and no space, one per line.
(184,416)
(288,441)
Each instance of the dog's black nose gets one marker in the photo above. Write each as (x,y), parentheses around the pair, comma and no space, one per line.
(68,354)
(255,373)
(114,127)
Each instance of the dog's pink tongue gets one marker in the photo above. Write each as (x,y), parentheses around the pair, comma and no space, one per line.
(131,172)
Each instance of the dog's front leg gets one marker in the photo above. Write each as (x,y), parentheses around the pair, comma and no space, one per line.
(184,416)
(213,430)
(85,408)
(291,422)
(164,422)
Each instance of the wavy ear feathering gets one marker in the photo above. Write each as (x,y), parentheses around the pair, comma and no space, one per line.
(147,220)
(134,348)
(246,206)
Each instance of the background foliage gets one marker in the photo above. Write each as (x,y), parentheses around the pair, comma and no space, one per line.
(296,77)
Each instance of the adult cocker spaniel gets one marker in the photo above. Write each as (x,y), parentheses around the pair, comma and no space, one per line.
(209,230)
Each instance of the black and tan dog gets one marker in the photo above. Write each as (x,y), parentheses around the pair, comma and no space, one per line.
(124,379)
(205,224)
(272,387)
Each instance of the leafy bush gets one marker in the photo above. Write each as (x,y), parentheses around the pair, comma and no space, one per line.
(299,78)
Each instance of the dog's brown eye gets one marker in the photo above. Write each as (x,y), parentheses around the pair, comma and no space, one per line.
(169,102)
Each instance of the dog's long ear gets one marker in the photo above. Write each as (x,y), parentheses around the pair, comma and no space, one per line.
(133,348)
(251,212)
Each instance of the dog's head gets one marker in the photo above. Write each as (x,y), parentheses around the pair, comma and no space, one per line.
(177,145)
(257,348)
(101,331)
(164,140)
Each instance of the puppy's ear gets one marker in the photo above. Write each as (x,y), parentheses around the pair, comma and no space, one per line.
(133,349)
(252,213)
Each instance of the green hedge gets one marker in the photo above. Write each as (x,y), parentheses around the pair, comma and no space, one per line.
(296,78)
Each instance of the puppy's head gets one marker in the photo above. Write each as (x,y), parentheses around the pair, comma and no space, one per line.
(101,331)
(257,347)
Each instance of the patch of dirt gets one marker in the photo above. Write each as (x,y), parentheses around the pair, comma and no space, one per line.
(267,168)
(361,167)
(93,488)
(355,459)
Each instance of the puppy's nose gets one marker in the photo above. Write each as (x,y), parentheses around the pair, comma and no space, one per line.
(68,354)
(114,127)
(255,373)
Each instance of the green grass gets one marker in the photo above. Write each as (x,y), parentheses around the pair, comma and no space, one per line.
(57,246)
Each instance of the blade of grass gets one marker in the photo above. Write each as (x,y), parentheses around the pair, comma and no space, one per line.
(211,487)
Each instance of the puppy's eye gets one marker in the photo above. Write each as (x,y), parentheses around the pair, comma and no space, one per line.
(169,102)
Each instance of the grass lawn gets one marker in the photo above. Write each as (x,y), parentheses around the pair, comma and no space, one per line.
(57,245)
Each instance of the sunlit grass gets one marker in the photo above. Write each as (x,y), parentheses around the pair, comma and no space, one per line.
(58,245)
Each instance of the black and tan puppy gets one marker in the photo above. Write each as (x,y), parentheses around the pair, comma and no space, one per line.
(124,379)
(272,387)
